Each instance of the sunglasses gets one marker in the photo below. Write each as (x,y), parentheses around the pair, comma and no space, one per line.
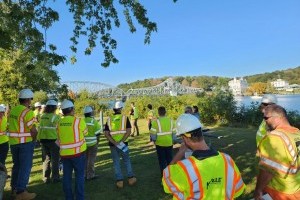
(266,118)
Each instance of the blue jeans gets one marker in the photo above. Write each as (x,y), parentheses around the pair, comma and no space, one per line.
(116,153)
(165,156)
(22,155)
(77,164)
(3,152)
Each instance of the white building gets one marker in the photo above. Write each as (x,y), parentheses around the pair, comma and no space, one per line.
(279,84)
(238,86)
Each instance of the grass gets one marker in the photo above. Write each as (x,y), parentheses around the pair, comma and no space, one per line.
(237,142)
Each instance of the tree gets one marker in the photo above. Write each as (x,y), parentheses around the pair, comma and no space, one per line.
(40,96)
(24,25)
(195,84)
(258,88)
(185,82)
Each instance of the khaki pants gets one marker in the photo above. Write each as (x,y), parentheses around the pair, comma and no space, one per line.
(91,153)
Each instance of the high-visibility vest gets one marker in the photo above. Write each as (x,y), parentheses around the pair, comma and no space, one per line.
(150,115)
(94,130)
(70,132)
(135,113)
(48,126)
(3,129)
(279,152)
(163,130)
(193,179)
(37,114)
(117,126)
(20,121)
(261,132)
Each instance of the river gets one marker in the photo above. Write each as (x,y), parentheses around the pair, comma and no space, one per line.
(289,102)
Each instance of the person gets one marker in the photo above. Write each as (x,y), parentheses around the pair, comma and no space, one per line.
(267,99)
(134,119)
(206,174)
(117,130)
(22,135)
(279,174)
(3,136)
(150,115)
(188,110)
(92,140)
(48,136)
(58,109)
(3,177)
(37,110)
(162,133)
(71,131)
(196,112)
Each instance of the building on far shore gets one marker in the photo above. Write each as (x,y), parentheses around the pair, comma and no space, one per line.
(238,86)
(280,84)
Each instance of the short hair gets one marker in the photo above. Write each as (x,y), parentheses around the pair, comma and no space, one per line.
(161,111)
(132,103)
(196,109)
(276,110)
(67,110)
(50,108)
(88,114)
(196,135)
(23,100)
(149,106)
(188,110)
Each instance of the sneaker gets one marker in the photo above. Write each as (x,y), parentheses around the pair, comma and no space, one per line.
(132,181)
(25,196)
(120,184)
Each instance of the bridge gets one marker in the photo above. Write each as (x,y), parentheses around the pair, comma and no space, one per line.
(168,87)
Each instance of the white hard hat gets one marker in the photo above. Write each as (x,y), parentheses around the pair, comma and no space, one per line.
(51,102)
(118,105)
(187,123)
(2,109)
(59,104)
(26,94)
(87,109)
(43,106)
(37,104)
(66,104)
(269,98)
(4,106)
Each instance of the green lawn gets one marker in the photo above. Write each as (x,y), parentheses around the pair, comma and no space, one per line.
(239,143)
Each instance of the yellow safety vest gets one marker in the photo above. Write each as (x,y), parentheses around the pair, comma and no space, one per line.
(163,129)
(280,156)
(117,126)
(261,132)
(71,131)
(94,129)
(48,126)
(21,120)
(192,178)
(135,113)
(3,128)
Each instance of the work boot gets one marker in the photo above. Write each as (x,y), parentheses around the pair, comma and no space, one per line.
(119,184)
(25,196)
(132,181)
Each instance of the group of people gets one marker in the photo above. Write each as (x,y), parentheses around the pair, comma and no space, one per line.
(74,141)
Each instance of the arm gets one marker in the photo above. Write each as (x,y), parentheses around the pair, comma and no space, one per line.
(180,154)
(128,130)
(108,136)
(263,178)
(33,133)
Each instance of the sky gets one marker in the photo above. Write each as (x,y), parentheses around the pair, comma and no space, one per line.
(228,38)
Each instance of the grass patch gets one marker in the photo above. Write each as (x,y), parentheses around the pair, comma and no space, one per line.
(237,142)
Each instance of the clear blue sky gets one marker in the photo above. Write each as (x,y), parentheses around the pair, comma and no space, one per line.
(195,37)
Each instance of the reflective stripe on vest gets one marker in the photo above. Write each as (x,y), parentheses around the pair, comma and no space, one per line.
(90,140)
(47,127)
(278,166)
(90,123)
(160,129)
(19,134)
(172,187)
(2,133)
(229,176)
(22,134)
(194,178)
(122,127)
(287,143)
(73,145)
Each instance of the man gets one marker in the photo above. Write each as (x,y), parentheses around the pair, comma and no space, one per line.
(207,174)
(22,134)
(3,136)
(48,136)
(134,119)
(117,129)
(71,131)
(37,110)
(279,164)
(150,115)
(162,133)
(92,140)
(267,99)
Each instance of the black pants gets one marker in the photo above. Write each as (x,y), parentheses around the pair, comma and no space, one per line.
(165,156)
(3,152)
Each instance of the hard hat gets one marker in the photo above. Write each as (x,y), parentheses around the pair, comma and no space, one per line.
(87,109)
(187,123)
(26,94)
(51,102)
(37,104)
(3,106)
(2,109)
(66,104)
(269,98)
(59,104)
(118,105)
(43,106)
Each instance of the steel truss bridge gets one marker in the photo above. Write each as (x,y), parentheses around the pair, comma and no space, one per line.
(168,87)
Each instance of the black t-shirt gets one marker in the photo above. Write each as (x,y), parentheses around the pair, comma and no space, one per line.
(106,128)
(203,154)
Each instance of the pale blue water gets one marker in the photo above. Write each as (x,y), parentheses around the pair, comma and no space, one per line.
(289,102)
